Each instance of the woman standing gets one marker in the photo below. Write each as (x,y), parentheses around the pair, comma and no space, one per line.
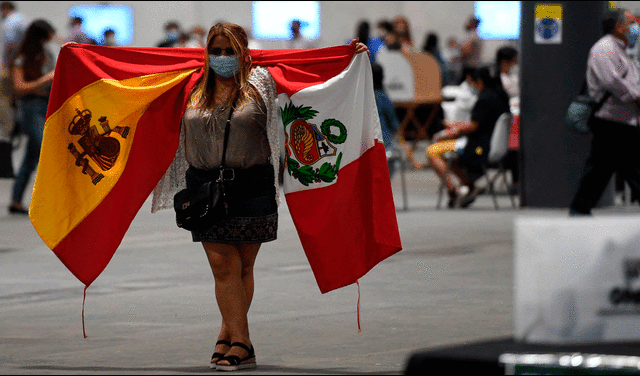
(231,88)
(32,74)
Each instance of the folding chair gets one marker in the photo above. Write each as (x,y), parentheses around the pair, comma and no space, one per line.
(498,149)
(395,155)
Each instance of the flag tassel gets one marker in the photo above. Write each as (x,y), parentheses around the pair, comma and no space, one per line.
(84,332)
(358,307)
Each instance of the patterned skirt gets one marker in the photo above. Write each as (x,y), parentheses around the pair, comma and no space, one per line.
(252,208)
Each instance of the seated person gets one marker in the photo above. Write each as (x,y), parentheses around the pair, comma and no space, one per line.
(386,111)
(459,109)
(492,102)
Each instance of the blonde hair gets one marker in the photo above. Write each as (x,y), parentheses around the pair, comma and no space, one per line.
(202,95)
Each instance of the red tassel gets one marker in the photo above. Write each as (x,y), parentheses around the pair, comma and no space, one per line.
(84,332)
(359,329)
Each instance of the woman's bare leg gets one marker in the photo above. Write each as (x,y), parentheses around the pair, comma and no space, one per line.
(232,267)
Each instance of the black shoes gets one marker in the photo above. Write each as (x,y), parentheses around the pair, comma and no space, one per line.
(17,209)
(216,355)
(235,362)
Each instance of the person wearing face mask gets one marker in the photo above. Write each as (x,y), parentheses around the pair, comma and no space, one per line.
(232,92)
(32,72)
(172,34)
(507,66)
(615,146)
(491,102)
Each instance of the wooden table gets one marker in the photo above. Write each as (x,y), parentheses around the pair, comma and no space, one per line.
(421,128)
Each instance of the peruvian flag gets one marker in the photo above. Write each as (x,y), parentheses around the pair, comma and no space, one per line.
(336,179)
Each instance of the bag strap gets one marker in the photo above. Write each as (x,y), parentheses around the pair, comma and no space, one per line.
(604,98)
(226,137)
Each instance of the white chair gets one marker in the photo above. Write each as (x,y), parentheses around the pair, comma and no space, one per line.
(498,149)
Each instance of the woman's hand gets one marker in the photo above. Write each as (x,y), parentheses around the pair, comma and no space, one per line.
(360,47)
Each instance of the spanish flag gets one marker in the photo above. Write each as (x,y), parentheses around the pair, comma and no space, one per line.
(111,132)
(113,126)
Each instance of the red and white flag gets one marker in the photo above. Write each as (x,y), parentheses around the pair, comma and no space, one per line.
(336,179)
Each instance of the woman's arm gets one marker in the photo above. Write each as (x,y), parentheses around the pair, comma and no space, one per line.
(455,131)
(25,87)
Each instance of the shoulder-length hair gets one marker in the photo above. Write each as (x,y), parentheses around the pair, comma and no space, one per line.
(202,95)
(32,49)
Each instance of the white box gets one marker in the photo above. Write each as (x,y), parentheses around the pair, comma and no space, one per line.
(576,279)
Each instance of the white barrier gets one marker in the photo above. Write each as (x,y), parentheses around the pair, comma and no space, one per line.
(576,280)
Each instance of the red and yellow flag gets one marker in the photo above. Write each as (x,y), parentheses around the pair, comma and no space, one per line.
(108,118)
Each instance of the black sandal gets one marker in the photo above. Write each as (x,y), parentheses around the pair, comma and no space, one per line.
(235,363)
(217,354)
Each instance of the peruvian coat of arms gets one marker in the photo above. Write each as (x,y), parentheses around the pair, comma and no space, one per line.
(305,144)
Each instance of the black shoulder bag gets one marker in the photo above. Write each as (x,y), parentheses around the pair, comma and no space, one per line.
(200,207)
(582,110)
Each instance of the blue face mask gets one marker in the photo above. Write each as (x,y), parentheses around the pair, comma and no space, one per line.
(225,66)
(632,35)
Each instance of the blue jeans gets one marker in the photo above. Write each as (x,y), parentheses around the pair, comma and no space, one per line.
(33,111)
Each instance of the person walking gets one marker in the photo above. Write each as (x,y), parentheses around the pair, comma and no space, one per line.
(615,128)
(13,27)
(32,72)
(233,91)
(471,47)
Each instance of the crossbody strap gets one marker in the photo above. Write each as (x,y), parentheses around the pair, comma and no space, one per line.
(226,137)
(604,98)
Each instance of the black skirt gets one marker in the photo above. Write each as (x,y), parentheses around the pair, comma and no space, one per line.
(252,208)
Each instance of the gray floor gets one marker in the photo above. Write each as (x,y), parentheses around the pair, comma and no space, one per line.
(153,309)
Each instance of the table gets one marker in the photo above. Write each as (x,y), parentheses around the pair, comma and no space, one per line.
(421,128)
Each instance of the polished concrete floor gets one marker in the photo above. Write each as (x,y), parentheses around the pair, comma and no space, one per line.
(153,311)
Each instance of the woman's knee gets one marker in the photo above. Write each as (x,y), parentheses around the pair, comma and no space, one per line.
(224,260)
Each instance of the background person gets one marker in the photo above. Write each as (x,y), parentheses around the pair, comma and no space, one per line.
(471,47)
(32,72)
(172,32)
(110,38)
(76,34)
(491,103)
(298,40)
(616,136)
(13,27)
(403,33)
(389,122)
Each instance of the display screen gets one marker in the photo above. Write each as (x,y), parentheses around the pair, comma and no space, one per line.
(98,18)
(271,20)
(498,19)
